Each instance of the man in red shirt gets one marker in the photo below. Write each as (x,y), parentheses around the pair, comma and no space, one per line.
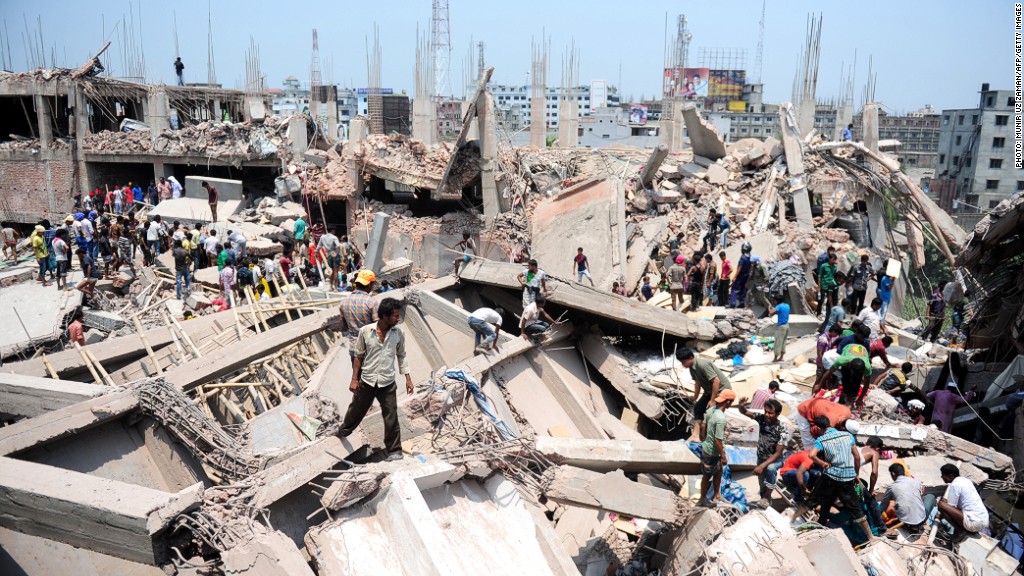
(798,473)
(878,346)
(75,329)
(808,410)
(723,282)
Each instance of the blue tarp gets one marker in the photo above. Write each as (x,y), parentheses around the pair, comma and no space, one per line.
(482,402)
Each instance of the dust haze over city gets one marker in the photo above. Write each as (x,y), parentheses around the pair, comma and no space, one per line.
(530,288)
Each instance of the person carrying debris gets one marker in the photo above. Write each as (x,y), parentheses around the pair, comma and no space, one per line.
(713,457)
(212,197)
(468,248)
(962,506)
(179,70)
(836,453)
(530,323)
(486,324)
(10,238)
(534,282)
(738,296)
(771,442)
(708,379)
(377,348)
(582,267)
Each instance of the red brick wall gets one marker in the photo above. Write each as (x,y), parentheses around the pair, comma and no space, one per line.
(23,196)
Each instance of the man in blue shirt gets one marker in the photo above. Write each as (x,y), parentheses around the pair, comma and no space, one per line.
(836,453)
(885,294)
(738,295)
(848,133)
(781,328)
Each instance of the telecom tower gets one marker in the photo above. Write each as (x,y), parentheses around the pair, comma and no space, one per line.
(441,46)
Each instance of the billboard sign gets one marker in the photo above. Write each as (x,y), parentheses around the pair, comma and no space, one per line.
(726,85)
(637,114)
(704,84)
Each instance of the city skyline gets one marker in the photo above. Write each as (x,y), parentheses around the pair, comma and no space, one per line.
(912,71)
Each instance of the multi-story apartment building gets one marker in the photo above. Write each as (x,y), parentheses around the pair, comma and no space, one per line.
(514,102)
(975,154)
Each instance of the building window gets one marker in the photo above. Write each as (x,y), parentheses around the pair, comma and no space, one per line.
(956,160)
(960,120)
(988,101)
(1009,101)
(995,162)
(942,158)
(767,130)
(945,120)
(991,184)
(974,119)
(757,130)
(992,204)
(998,142)
(1020,185)
(957,140)
(968,160)
(1002,120)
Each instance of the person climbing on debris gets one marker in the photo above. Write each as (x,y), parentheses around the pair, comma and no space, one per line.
(10,238)
(854,367)
(836,453)
(581,265)
(468,248)
(962,506)
(799,474)
(378,346)
(772,440)
(486,325)
(713,456)
(808,410)
(212,197)
(179,70)
(76,332)
(709,381)
(530,323)
(936,314)
(944,402)
(757,294)
(738,295)
(534,283)
(894,380)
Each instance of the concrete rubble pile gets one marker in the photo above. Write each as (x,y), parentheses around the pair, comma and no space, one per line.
(243,141)
(213,445)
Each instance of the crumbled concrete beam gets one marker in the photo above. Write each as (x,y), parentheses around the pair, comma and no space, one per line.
(303,465)
(102,320)
(926,469)
(88,511)
(613,492)
(31,395)
(606,305)
(265,553)
(704,140)
(68,363)
(905,437)
(646,236)
(793,145)
(612,365)
(378,239)
(654,161)
(64,422)
(567,399)
(627,455)
(687,542)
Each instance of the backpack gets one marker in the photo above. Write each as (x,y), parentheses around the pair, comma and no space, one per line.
(244,276)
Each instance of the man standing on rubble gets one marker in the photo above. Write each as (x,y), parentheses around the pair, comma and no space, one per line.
(468,248)
(758,285)
(676,274)
(534,282)
(861,275)
(212,197)
(181,265)
(358,309)
(723,282)
(936,314)
(738,297)
(377,348)
(331,246)
(708,380)
(836,453)
(179,69)
(872,318)
(582,267)
(164,188)
(848,133)
(772,440)
(713,457)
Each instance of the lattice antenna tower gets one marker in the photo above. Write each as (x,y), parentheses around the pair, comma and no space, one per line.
(682,44)
(480,59)
(759,56)
(315,81)
(441,46)
(374,98)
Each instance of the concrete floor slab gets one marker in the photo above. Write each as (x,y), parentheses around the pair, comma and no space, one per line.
(194,211)
(34,314)
(27,555)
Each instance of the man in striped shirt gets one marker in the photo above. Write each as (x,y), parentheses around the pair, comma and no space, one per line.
(836,453)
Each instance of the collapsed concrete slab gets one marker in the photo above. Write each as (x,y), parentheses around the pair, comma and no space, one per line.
(626,455)
(704,139)
(30,396)
(613,492)
(612,365)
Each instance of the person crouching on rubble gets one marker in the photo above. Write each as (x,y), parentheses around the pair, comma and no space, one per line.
(836,452)
(713,457)
(531,325)
(710,382)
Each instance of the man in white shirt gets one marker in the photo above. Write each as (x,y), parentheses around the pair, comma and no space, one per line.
(530,322)
(210,245)
(486,323)
(962,506)
(872,318)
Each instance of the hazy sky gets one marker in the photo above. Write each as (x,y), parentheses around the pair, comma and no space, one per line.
(925,52)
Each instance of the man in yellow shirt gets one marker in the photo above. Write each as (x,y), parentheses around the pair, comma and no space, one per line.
(41,253)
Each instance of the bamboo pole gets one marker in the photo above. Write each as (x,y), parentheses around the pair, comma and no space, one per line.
(49,368)
(187,338)
(100,368)
(88,363)
(145,342)
(234,310)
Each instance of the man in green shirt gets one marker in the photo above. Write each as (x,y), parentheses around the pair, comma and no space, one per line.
(709,381)
(828,286)
(713,457)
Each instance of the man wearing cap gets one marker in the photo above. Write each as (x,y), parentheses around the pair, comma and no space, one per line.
(945,402)
(836,453)
(713,457)
(357,309)
(709,382)
(41,253)
(377,348)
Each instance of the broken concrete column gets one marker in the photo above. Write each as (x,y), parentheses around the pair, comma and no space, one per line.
(612,492)
(654,161)
(793,145)
(297,135)
(378,238)
(487,125)
(424,120)
(876,206)
(538,122)
(704,140)
(568,122)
